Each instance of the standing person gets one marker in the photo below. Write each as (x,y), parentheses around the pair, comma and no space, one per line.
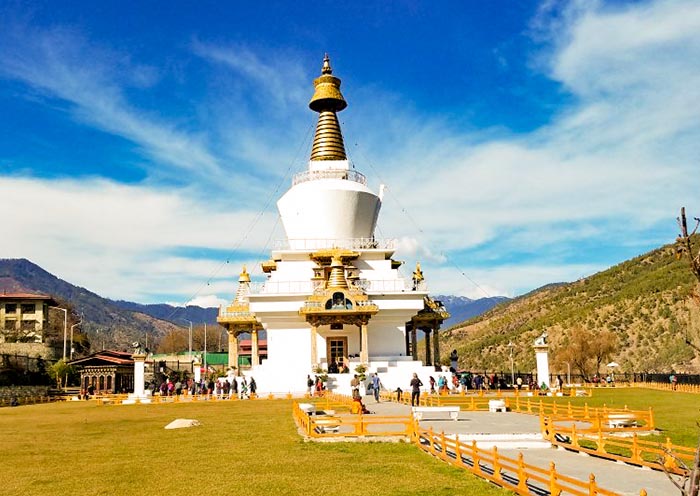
(234,388)
(442,384)
(244,388)
(253,386)
(415,390)
(464,382)
(310,385)
(376,385)
(355,386)
(432,384)
(673,380)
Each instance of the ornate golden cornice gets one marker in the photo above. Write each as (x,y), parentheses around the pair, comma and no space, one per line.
(433,314)
(336,302)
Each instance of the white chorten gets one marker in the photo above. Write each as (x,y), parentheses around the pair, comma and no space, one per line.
(333,294)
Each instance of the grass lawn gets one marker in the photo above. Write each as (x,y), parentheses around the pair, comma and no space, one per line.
(675,414)
(242,447)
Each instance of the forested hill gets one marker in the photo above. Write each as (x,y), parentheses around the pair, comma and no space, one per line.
(643,303)
(118,323)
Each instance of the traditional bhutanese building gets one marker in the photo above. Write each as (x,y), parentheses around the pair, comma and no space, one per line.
(333,292)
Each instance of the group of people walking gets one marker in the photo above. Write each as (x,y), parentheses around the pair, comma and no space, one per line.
(222,388)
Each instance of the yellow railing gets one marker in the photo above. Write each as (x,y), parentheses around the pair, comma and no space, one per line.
(510,473)
(665,386)
(352,425)
(513,474)
(117,399)
(632,450)
(598,417)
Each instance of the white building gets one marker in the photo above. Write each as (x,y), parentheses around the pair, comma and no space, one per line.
(333,293)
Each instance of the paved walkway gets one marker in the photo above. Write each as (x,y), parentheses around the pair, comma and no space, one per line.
(614,476)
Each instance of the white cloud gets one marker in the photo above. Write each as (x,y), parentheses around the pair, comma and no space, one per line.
(53,63)
(615,163)
(117,240)
(208,301)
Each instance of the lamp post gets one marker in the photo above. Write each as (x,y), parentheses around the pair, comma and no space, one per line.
(65,328)
(205,346)
(512,367)
(71,335)
(189,340)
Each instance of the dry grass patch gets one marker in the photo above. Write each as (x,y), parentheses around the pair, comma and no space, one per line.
(242,447)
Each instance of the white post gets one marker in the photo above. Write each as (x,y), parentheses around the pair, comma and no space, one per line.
(542,358)
(139,394)
(197,369)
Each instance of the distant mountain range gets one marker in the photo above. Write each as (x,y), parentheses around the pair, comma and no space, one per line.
(462,308)
(115,324)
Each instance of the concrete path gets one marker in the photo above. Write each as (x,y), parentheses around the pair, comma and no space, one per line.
(515,428)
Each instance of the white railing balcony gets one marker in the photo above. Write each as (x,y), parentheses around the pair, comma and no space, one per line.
(224,313)
(310,287)
(315,175)
(282,287)
(389,285)
(346,243)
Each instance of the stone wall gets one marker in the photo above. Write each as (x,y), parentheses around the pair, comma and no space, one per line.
(32,350)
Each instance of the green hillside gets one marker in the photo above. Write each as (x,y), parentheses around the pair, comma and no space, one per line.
(643,302)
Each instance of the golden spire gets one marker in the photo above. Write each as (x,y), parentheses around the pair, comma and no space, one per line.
(243,287)
(336,279)
(327,100)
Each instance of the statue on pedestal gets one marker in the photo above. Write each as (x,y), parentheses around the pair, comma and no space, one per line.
(542,340)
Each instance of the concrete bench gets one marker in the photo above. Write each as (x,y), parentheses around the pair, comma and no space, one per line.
(621,420)
(325,421)
(497,406)
(418,411)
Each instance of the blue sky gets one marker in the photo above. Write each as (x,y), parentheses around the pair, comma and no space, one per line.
(143,148)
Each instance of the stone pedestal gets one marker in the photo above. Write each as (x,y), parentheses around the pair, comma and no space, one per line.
(139,394)
(542,357)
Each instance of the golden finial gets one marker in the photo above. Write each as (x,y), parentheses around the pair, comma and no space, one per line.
(244,276)
(327,100)
(417,274)
(326,65)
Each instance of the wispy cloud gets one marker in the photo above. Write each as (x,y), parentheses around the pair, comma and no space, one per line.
(62,65)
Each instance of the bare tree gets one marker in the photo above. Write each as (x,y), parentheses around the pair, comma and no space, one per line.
(684,246)
(587,350)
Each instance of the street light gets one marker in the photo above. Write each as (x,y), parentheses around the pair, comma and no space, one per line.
(189,340)
(512,368)
(65,328)
(71,336)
